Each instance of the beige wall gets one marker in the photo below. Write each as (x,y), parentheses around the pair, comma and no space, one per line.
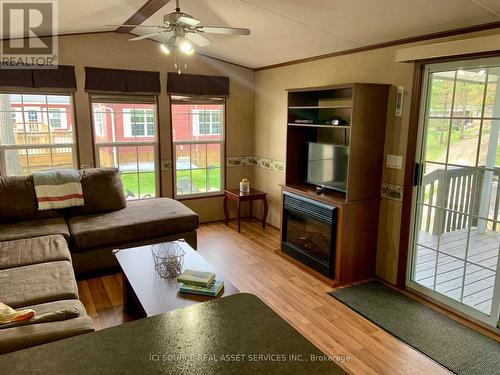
(256,115)
(111,50)
(377,66)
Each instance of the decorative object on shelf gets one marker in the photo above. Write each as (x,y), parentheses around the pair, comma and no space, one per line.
(245,186)
(336,120)
(182,29)
(168,259)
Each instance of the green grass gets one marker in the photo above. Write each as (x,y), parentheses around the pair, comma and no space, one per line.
(146,181)
(436,143)
(199,179)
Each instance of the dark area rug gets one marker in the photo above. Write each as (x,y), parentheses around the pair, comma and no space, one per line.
(455,346)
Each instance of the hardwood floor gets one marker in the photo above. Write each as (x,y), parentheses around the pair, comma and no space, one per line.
(248,261)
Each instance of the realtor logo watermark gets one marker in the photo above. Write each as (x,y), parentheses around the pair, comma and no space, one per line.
(29,34)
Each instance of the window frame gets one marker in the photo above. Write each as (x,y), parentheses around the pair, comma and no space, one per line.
(128,125)
(196,122)
(62,118)
(193,101)
(125,99)
(52,146)
(97,119)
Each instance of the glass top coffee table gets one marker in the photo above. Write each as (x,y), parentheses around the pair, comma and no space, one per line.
(145,293)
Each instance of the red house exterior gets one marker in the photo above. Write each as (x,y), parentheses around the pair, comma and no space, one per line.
(133,123)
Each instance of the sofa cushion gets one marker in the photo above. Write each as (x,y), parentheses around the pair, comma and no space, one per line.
(28,251)
(34,228)
(140,220)
(102,192)
(19,200)
(17,338)
(37,283)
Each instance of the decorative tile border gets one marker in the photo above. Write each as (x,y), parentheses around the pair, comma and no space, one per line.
(236,161)
(392,191)
(266,163)
(256,161)
(278,166)
(253,160)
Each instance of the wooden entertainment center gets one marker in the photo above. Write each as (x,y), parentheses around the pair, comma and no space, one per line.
(362,111)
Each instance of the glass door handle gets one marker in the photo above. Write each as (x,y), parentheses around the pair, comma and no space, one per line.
(417,171)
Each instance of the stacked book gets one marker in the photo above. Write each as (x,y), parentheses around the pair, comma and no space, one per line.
(199,282)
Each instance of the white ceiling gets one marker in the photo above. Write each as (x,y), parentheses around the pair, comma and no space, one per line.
(284,30)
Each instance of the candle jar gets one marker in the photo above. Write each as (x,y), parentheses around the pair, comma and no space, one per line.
(245,186)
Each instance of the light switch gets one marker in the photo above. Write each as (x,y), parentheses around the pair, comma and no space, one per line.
(394,161)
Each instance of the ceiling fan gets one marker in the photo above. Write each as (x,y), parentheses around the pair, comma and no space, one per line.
(183,29)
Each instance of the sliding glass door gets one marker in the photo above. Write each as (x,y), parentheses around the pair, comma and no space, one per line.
(455,244)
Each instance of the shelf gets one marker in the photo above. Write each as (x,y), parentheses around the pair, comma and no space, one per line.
(321,126)
(320,107)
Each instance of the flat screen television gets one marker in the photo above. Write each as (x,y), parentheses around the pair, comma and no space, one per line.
(327,165)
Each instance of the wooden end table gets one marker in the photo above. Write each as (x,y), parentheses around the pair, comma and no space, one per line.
(239,196)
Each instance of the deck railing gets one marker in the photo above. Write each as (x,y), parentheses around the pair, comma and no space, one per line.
(457,191)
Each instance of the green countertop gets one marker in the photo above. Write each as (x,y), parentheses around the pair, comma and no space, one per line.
(238,334)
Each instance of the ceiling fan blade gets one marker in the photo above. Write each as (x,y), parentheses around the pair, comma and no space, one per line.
(145,36)
(198,39)
(224,30)
(187,21)
(125,25)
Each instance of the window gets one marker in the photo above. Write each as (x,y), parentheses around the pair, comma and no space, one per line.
(57,118)
(198,140)
(125,138)
(206,122)
(99,123)
(32,136)
(32,116)
(138,122)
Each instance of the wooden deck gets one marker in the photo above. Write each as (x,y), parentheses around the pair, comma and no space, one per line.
(443,270)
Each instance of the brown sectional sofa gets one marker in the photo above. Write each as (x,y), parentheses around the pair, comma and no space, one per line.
(40,252)
(36,273)
(106,222)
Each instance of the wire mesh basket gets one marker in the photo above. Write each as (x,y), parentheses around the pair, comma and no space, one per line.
(168,259)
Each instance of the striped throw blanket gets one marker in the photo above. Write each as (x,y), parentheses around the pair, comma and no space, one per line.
(59,188)
(9,315)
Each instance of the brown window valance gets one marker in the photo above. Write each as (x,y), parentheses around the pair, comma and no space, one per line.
(121,81)
(63,78)
(197,85)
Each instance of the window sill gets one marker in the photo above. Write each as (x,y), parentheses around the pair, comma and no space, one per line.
(199,196)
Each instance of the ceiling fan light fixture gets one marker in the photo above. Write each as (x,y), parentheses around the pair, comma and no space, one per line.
(164,49)
(186,47)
